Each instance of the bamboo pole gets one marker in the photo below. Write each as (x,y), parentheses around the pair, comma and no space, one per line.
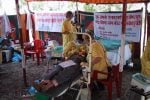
(145,27)
(77,11)
(21,40)
(122,43)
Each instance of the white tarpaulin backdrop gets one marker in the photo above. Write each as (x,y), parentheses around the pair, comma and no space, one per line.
(109,25)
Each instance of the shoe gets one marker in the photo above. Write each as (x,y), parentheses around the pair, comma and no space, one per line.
(37,86)
(48,86)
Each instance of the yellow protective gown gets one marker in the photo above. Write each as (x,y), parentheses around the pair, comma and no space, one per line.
(145,60)
(73,48)
(99,51)
(70,49)
(69,36)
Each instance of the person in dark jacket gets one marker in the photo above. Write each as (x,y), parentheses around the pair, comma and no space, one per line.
(63,72)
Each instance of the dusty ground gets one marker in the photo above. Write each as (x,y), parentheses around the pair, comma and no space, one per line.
(12,84)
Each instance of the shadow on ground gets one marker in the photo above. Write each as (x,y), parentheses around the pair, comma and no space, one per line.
(12,84)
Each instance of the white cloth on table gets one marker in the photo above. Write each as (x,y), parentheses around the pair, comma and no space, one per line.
(114,55)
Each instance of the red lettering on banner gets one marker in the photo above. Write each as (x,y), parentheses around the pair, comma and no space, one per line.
(114,17)
(97,17)
(129,17)
(134,23)
(110,22)
(103,17)
(53,20)
(117,23)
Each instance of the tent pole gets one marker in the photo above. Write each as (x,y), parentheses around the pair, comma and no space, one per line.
(21,40)
(77,14)
(77,11)
(145,27)
(122,42)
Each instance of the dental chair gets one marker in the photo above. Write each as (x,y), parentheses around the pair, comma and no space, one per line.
(75,84)
(82,79)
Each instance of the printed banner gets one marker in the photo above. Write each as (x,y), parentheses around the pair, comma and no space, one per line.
(109,25)
(49,22)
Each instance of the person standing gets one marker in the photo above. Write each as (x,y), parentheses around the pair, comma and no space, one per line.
(68,29)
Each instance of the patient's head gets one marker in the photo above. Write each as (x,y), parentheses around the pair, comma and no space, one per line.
(83,50)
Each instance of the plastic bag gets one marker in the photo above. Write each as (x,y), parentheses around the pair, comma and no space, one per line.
(16,57)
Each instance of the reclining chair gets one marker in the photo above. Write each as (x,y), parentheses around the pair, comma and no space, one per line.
(80,78)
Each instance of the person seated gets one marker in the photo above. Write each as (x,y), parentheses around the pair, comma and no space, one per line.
(65,71)
(99,59)
(8,44)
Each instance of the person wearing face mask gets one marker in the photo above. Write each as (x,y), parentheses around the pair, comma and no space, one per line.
(99,59)
(68,29)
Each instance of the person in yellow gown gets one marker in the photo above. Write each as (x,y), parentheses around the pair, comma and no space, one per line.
(68,29)
(99,59)
(145,60)
(72,48)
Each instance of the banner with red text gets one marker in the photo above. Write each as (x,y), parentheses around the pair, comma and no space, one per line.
(49,22)
(109,25)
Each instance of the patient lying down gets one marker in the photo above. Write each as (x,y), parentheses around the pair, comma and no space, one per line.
(63,72)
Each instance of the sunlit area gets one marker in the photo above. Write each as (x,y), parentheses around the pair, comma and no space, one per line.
(63,6)
(9,7)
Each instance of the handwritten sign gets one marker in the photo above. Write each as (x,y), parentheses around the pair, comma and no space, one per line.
(49,22)
(109,25)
